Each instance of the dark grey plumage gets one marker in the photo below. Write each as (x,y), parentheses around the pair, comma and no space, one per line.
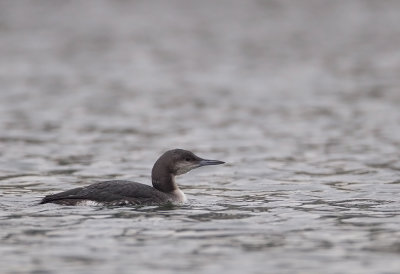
(109,192)
(118,192)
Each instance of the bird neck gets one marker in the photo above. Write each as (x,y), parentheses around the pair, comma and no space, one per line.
(162,179)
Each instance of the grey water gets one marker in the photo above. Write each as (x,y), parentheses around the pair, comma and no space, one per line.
(300,98)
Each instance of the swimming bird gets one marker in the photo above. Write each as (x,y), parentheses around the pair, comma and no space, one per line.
(119,192)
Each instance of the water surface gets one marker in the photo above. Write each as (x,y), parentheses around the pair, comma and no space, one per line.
(300,98)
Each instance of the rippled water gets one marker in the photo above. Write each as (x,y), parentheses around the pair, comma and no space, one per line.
(300,98)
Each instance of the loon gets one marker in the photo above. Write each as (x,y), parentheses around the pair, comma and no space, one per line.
(119,192)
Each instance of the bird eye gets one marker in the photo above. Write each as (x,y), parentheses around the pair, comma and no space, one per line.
(188,159)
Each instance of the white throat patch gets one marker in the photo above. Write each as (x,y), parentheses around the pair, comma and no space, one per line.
(184,167)
(180,196)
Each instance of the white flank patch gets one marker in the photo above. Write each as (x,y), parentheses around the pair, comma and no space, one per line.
(88,203)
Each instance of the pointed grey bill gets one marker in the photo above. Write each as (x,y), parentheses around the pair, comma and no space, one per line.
(210,162)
